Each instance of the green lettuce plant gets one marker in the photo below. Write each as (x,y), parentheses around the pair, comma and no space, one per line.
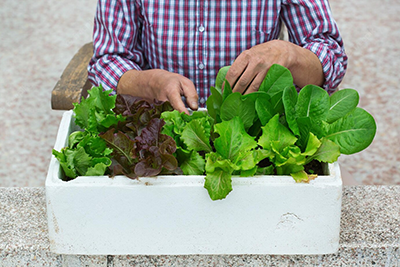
(273,131)
(87,153)
(121,135)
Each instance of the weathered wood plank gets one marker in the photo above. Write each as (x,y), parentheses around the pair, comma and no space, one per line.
(73,83)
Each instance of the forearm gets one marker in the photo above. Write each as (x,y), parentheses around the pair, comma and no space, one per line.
(318,33)
(135,82)
(113,52)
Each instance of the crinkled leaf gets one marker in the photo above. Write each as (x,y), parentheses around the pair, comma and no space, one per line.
(290,155)
(124,148)
(195,135)
(94,113)
(86,155)
(216,161)
(300,176)
(174,124)
(232,139)
(99,168)
(155,150)
(110,120)
(68,171)
(246,160)
(131,105)
(93,145)
(194,164)
(78,159)
(150,134)
(328,151)
(275,131)
(75,137)
(148,167)
(218,184)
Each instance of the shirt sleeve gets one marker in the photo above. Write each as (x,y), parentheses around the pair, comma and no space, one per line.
(311,26)
(115,43)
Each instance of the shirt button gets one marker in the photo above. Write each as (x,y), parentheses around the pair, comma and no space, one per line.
(201,28)
(201,66)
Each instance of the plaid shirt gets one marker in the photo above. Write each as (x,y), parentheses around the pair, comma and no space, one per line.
(196,38)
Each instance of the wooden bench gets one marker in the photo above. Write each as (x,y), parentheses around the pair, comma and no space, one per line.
(73,84)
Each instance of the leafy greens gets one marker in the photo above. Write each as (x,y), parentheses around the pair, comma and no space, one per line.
(121,135)
(275,130)
(86,153)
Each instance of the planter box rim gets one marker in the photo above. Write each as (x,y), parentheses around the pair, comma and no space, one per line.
(55,171)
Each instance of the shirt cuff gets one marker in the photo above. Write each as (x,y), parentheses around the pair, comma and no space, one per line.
(108,70)
(334,63)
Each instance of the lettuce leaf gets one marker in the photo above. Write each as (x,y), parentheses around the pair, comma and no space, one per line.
(139,146)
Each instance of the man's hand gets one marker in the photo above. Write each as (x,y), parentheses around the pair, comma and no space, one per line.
(161,85)
(249,69)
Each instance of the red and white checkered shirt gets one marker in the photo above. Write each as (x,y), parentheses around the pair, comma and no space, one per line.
(196,38)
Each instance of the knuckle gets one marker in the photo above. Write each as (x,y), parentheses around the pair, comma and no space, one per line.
(254,87)
(259,61)
(232,73)
(243,82)
(247,53)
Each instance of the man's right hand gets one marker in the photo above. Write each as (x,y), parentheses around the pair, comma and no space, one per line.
(161,85)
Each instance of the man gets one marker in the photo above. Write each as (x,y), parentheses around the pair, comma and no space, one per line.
(161,49)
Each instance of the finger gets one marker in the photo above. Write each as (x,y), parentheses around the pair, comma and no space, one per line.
(245,80)
(236,71)
(254,86)
(190,93)
(174,97)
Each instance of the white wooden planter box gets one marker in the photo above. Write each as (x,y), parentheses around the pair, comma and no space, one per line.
(174,214)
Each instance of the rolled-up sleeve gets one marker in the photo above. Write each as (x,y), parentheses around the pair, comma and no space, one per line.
(311,25)
(115,43)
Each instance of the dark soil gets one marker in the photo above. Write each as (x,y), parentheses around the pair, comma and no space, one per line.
(315,167)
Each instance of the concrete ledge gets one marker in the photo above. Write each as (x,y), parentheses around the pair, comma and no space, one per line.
(370,234)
